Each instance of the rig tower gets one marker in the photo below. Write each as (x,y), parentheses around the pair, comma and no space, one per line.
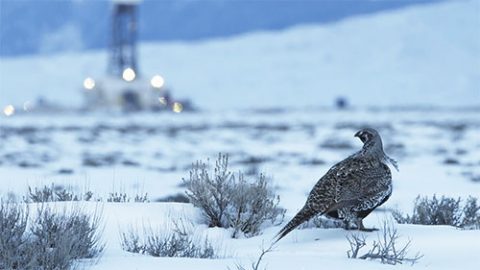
(123,51)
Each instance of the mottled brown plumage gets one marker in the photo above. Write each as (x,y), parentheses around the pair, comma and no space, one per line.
(352,188)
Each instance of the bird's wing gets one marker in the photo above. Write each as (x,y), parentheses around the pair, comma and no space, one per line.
(350,182)
(361,176)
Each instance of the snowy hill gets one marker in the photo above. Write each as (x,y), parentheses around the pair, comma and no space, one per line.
(419,55)
(53,26)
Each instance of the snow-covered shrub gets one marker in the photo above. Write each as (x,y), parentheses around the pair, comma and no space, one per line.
(471,214)
(63,237)
(141,198)
(38,195)
(131,241)
(15,247)
(443,211)
(228,200)
(179,242)
(52,241)
(123,197)
(385,248)
(64,195)
(54,193)
(117,197)
(178,245)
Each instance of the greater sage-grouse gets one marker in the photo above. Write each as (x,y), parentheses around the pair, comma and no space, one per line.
(352,188)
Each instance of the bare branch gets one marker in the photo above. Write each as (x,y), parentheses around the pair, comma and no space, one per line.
(256,265)
(384,248)
(356,241)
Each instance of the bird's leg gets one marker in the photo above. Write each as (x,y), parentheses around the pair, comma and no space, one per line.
(349,221)
(361,227)
(347,225)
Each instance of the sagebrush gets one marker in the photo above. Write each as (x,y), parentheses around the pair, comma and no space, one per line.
(178,242)
(55,193)
(52,241)
(229,200)
(443,211)
(120,197)
(16,251)
(69,234)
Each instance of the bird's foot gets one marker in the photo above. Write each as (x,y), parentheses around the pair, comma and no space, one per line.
(368,229)
(349,226)
(362,228)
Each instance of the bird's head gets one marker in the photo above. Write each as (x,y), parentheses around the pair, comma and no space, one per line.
(372,145)
(367,135)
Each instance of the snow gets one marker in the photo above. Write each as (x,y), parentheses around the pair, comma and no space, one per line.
(162,148)
(165,145)
(426,54)
(302,249)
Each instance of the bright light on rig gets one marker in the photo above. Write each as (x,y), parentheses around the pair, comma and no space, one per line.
(27,106)
(89,83)
(157,81)
(162,101)
(177,107)
(128,74)
(9,110)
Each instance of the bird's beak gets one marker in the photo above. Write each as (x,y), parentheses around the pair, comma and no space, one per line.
(357,134)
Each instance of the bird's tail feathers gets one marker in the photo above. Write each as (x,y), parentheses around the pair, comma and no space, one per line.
(302,216)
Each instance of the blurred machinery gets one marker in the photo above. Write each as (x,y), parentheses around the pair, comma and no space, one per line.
(124,87)
(341,103)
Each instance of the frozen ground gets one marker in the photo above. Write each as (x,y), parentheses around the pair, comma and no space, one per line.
(438,151)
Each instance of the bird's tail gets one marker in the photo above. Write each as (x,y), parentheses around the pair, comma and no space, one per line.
(302,216)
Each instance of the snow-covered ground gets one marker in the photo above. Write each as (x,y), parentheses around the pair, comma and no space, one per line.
(443,247)
(152,152)
(438,151)
(423,55)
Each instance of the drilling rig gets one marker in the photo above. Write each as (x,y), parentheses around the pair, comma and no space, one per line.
(124,87)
